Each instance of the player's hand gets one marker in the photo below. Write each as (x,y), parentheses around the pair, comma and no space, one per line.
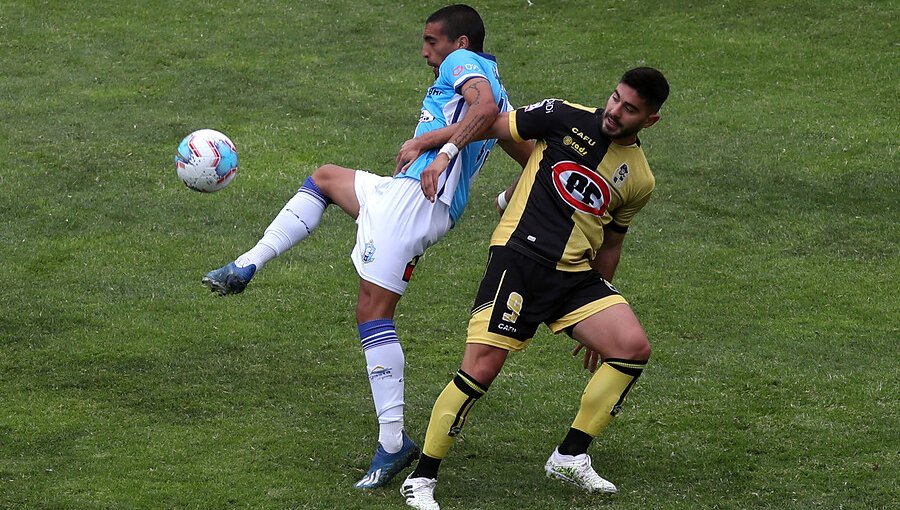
(591,357)
(408,153)
(431,173)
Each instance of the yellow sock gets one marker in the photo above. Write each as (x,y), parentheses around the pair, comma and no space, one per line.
(605,393)
(449,414)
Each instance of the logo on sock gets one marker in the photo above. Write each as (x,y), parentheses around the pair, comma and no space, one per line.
(379,372)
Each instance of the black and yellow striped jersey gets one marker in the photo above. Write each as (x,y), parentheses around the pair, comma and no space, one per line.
(577,181)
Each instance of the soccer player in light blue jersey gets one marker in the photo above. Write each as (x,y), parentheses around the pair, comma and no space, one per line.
(443,105)
(396,223)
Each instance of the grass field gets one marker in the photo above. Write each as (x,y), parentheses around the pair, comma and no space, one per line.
(765,269)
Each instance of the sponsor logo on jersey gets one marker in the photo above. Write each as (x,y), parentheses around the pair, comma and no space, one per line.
(581,187)
(458,70)
(426,116)
(547,104)
(570,142)
(580,134)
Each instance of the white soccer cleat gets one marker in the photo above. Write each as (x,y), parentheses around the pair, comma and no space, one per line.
(419,493)
(577,470)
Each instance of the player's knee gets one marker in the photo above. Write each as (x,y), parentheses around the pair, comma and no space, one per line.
(375,303)
(485,372)
(635,344)
(483,363)
(324,175)
(367,309)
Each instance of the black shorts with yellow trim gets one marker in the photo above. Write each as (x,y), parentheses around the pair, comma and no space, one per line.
(518,293)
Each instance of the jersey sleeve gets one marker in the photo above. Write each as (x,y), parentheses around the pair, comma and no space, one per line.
(534,122)
(621,218)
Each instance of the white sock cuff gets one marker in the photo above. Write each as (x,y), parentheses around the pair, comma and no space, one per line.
(390,435)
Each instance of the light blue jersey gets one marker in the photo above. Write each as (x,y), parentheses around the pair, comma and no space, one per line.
(445,105)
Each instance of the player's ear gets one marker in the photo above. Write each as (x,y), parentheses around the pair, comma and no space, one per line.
(651,120)
(462,42)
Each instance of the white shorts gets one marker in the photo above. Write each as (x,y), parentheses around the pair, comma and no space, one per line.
(396,224)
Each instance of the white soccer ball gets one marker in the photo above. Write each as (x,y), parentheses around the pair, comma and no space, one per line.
(207,161)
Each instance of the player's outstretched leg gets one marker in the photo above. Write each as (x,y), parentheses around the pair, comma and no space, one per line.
(577,470)
(385,466)
(297,219)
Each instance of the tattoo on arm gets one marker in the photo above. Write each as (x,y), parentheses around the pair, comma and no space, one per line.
(475,120)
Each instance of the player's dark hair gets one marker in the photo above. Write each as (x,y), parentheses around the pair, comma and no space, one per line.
(650,84)
(460,20)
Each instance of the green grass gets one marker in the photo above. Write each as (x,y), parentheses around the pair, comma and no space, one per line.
(765,269)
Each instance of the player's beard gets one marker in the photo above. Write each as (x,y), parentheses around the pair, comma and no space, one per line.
(621,133)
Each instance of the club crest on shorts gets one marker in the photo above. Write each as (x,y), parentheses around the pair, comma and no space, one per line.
(369,253)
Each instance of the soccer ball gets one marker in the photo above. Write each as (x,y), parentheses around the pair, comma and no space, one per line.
(207,161)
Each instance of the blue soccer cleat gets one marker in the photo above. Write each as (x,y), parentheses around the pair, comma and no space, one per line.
(229,279)
(385,466)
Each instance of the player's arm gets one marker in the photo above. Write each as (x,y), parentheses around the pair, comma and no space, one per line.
(414,147)
(519,151)
(607,258)
(505,196)
(481,113)
(499,130)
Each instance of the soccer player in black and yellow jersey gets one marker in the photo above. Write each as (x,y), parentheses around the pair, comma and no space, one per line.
(552,258)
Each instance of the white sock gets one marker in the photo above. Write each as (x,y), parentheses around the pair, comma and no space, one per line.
(390,435)
(385,366)
(258,255)
(296,220)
